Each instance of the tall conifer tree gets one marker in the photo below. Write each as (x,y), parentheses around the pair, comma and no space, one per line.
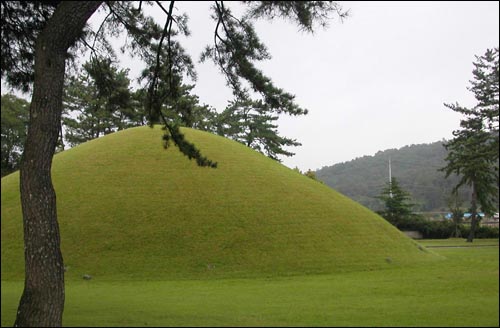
(15,112)
(98,101)
(473,152)
(397,207)
(251,122)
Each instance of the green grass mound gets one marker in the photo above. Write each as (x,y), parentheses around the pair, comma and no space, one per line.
(129,209)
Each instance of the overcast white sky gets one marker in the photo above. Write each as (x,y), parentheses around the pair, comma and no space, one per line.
(376,81)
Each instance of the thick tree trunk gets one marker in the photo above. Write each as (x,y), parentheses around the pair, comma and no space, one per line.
(42,301)
(473,215)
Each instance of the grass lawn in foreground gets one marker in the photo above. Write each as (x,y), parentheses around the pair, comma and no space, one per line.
(461,290)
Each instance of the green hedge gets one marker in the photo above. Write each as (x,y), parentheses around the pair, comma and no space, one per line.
(444,229)
(481,232)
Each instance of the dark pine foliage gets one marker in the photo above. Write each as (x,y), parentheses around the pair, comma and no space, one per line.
(473,152)
(397,207)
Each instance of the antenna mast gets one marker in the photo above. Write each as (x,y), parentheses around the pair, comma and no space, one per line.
(390,178)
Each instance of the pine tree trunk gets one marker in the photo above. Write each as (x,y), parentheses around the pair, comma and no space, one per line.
(42,301)
(473,215)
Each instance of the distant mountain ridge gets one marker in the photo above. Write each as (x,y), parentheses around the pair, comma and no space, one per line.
(416,167)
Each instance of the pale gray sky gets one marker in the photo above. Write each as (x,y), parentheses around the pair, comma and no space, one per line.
(376,81)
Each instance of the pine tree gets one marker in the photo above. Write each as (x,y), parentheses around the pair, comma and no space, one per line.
(397,209)
(97,102)
(15,112)
(473,152)
(251,122)
(485,87)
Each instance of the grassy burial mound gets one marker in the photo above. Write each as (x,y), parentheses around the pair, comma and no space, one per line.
(129,209)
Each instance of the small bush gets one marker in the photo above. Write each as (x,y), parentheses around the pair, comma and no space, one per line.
(439,229)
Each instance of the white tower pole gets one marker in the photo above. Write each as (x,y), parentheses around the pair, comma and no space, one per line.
(390,178)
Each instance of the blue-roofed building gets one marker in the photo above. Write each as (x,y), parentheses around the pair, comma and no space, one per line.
(466,215)
(485,221)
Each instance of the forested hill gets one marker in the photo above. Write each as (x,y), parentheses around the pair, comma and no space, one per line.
(415,167)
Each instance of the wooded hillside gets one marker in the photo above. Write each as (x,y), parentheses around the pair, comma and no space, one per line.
(416,168)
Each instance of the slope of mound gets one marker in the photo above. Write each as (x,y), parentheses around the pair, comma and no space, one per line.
(129,209)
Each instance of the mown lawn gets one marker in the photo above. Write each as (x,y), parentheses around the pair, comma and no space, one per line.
(459,291)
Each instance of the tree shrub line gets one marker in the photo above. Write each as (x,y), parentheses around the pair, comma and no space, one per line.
(445,229)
